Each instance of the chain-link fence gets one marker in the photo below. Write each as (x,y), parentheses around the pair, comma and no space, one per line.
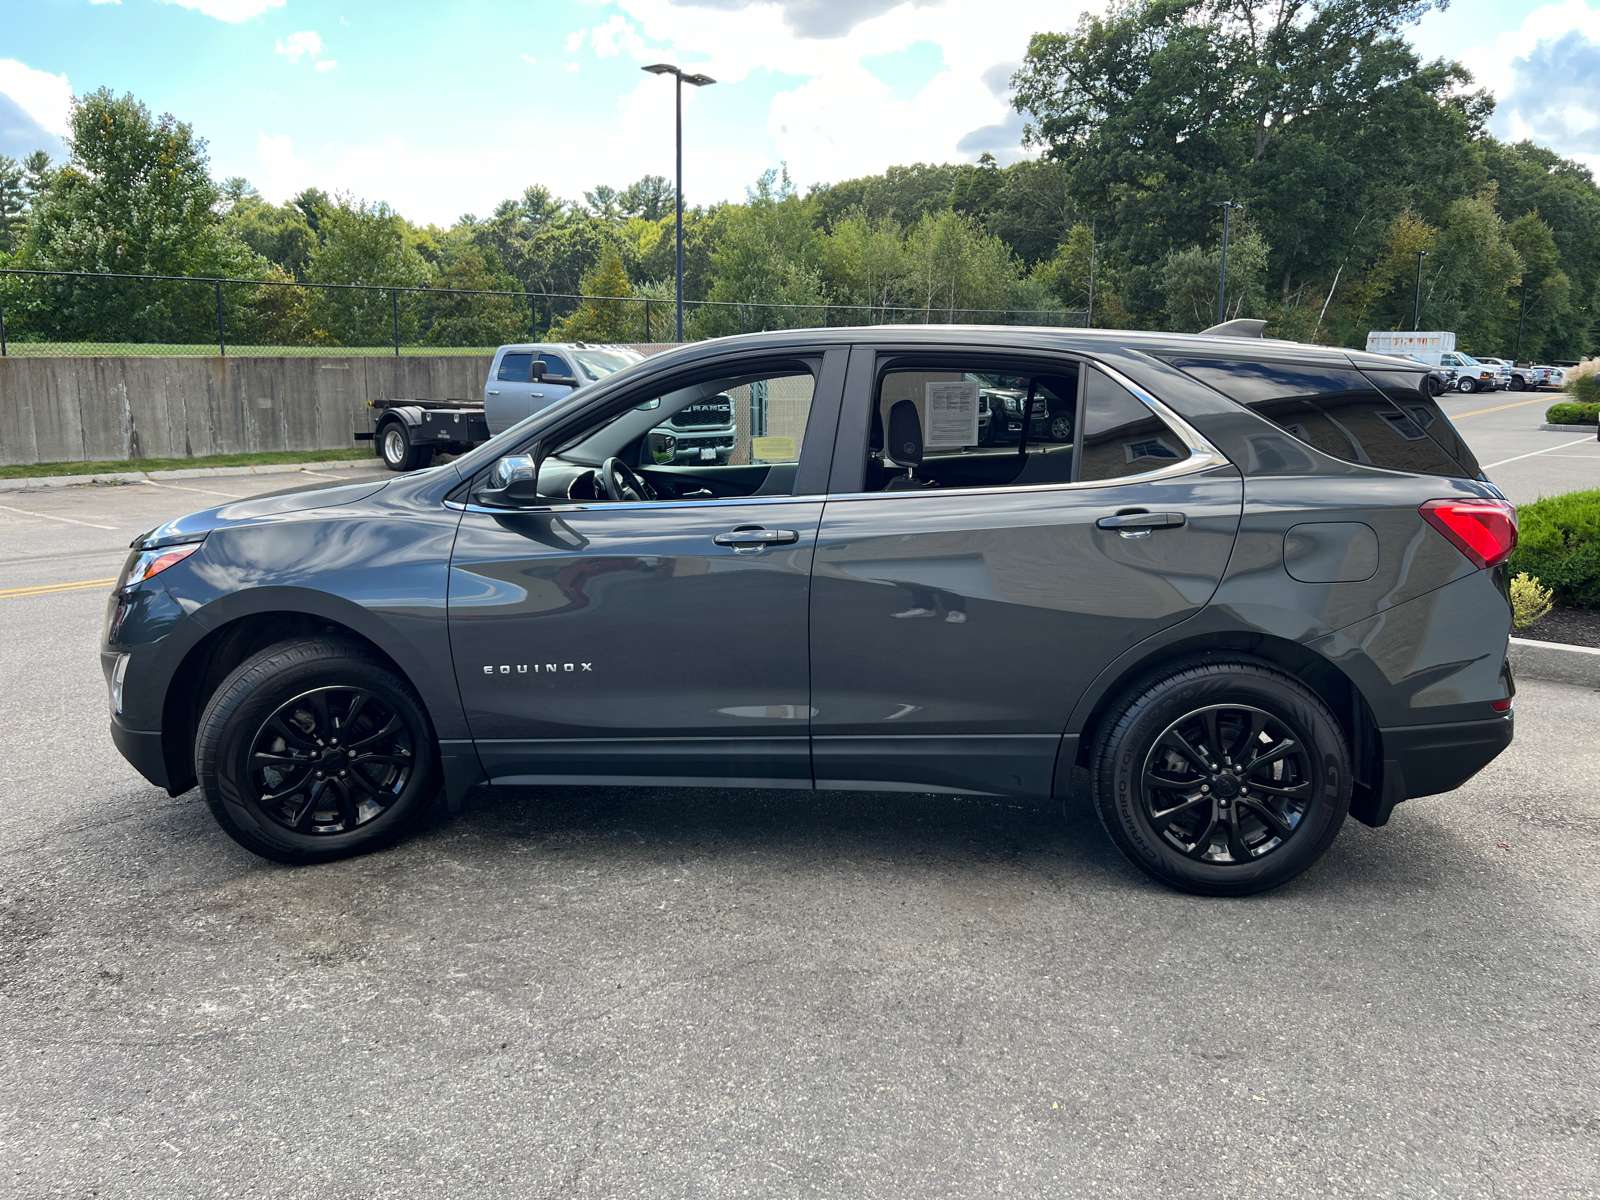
(60,313)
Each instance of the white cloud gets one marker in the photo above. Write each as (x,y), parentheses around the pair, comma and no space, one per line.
(618,36)
(1491,66)
(327,64)
(574,40)
(305,41)
(105,1)
(45,97)
(232,11)
(529,59)
(570,68)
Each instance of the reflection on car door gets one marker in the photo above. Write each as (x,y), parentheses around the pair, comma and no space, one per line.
(644,642)
(508,396)
(953,629)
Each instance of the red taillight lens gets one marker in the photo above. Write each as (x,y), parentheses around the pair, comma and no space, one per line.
(1484,530)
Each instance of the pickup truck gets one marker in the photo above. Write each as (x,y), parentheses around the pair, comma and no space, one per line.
(1528,378)
(523,378)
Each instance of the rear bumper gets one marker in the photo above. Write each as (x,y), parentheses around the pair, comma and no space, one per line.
(142,748)
(1440,758)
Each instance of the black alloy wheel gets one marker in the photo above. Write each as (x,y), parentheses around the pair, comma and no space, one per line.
(1221,776)
(1227,783)
(316,749)
(331,760)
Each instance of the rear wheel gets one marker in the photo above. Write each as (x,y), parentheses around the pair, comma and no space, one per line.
(312,751)
(397,451)
(1225,778)
(1518,383)
(1061,428)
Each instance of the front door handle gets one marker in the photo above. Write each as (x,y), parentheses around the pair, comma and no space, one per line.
(1140,524)
(494,393)
(754,537)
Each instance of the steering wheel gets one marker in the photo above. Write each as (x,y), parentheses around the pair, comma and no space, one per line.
(619,482)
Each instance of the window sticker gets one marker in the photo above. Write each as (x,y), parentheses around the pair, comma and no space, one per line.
(951,414)
(772,449)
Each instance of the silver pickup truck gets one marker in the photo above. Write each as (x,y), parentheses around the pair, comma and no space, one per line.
(704,432)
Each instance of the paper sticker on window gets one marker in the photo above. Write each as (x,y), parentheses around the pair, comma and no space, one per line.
(951,414)
(772,449)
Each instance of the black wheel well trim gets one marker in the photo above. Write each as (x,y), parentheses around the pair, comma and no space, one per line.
(239,624)
(1324,677)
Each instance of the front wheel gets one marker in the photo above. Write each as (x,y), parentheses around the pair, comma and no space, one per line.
(1061,428)
(398,451)
(316,750)
(1518,383)
(1466,384)
(1224,778)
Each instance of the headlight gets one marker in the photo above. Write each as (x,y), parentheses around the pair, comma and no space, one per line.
(1012,405)
(149,563)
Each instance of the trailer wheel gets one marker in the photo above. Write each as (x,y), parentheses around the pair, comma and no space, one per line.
(397,451)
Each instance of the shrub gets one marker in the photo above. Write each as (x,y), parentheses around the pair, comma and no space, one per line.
(1569,413)
(1558,543)
(1529,601)
(1582,382)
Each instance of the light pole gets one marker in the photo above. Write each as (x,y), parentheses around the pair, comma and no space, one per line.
(1416,316)
(1227,207)
(693,81)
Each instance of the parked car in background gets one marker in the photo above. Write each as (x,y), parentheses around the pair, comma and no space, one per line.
(526,378)
(1538,377)
(1001,401)
(1471,375)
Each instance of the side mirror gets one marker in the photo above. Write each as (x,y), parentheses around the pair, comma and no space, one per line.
(513,482)
(662,447)
(536,370)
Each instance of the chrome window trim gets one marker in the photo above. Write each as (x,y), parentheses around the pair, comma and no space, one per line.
(631,505)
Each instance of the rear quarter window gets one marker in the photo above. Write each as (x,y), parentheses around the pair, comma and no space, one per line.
(1337,410)
(1409,390)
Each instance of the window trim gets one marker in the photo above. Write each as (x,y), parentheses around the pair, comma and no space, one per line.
(1203,456)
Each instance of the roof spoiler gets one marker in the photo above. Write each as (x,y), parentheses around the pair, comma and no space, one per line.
(1242,327)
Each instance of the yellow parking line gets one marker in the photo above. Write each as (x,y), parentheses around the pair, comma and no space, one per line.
(47,588)
(1501,408)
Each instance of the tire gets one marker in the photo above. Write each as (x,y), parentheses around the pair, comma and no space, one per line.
(1518,384)
(1216,839)
(1061,428)
(1466,384)
(398,452)
(1435,388)
(283,707)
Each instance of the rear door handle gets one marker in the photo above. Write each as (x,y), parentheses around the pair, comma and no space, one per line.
(753,538)
(1140,524)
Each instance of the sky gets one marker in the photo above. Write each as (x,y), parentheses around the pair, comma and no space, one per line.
(443,109)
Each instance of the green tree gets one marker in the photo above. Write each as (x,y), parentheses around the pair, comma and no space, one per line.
(766,260)
(1190,279)
(468,319)
(650,197)
(13,204)
(954,267)
(364,244)
(610,320)
(1543,298)
(135,197)
(863,262)
(279,233)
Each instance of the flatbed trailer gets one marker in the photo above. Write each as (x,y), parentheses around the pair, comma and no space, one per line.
(407,433)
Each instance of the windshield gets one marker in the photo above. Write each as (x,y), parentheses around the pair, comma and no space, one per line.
(597,364)
(1468,360)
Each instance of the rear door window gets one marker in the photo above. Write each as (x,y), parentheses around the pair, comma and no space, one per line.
(1337,410)
(514,367)
(1122,436)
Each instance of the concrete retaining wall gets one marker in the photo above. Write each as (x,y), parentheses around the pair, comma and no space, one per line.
(89,409)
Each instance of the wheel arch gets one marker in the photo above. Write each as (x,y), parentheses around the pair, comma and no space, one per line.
(243,623)
(1325,678)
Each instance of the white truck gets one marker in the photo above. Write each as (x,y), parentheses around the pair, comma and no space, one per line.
(1437,348)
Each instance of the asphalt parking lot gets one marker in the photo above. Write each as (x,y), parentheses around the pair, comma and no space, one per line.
(600,992)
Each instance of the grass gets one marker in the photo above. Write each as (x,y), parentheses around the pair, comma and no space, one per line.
(264,459)
(201,350)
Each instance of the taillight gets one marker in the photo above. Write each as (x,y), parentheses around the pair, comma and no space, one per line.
(1484,530)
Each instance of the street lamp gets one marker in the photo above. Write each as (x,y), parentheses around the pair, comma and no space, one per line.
(1227,207)
(692,81)
(1416,315)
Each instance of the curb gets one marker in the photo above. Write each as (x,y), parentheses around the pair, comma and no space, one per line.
(115,477)
(1556,662)
(1582,426)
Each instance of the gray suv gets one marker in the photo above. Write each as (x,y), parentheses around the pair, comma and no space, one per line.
(1262,588)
